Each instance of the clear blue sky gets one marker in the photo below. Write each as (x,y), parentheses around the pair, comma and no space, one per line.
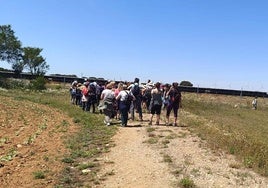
(212,43)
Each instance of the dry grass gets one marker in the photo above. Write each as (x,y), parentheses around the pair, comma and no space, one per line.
(229,123)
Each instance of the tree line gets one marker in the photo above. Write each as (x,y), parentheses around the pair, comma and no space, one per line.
(21,58)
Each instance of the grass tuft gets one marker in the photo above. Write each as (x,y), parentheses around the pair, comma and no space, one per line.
(186,182)
(39,175)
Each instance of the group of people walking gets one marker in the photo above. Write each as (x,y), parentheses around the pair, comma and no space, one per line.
(128,99)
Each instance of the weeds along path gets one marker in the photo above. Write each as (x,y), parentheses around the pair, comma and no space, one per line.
(161,156)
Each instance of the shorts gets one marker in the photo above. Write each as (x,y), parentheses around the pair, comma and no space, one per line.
(156,109)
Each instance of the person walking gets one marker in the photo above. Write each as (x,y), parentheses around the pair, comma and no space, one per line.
(156,103)
(124,97)
(255,103)
(84,91)
(174,95)
(108,98)
(135,89)
(166,100)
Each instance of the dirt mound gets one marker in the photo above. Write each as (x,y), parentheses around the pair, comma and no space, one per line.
(31,143)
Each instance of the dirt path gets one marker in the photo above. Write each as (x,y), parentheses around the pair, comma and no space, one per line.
(135,164)
(162,156)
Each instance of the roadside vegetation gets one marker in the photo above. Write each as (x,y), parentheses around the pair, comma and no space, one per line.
(229,123)
(92,139)
(226,122)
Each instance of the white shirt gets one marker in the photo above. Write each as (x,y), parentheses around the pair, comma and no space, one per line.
(107,93)
(122,95)
(132,85)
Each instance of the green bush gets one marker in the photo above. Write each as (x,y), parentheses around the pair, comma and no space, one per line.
(11,83)
(38,84)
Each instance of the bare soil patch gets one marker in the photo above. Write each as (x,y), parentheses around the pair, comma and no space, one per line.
(31,143)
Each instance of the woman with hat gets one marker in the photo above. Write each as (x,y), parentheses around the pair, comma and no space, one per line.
(108,98)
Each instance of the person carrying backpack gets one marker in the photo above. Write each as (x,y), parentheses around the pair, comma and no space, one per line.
(146,98)
(174,95)
(108,98)
(79,95)
(92,97)
(135,89)
(124,98)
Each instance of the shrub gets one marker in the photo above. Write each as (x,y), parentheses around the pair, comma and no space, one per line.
(38,84)
(11,83)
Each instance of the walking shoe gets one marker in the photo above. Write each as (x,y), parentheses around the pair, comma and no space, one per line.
(150,123)
(175,124)
(157,123)
(106,123)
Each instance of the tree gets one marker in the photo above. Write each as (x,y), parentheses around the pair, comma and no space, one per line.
(34,62)
(186,83)
(18,67)
(10,46)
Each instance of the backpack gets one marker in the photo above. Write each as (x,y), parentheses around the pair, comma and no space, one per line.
(176,96)
(78,92)
(128,99)
(147,94)
(91,89)
(135,90)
